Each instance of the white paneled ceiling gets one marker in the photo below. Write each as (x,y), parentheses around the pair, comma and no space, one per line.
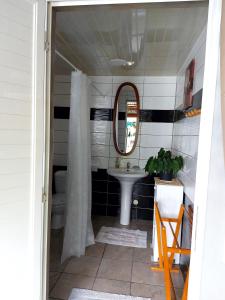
(155,37)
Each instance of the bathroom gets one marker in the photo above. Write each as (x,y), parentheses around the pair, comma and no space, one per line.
(150,46)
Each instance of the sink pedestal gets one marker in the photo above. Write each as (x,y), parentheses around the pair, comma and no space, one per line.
(126,178)
(125,201)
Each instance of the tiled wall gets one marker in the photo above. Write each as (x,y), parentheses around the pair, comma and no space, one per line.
(61,101)
(186,132)
(157,100)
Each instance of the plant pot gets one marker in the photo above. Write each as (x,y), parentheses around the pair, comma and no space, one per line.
(166,176)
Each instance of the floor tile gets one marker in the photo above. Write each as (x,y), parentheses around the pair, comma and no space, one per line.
(56,265)
(84,265)
(95,250)
(67,282)
(142,255)
(141,273)
(118,252)
(178,280)
(115,269)
(179,293)
(155,292)
(53,277)
(112,286)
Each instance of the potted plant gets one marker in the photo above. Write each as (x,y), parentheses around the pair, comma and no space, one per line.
(165,165)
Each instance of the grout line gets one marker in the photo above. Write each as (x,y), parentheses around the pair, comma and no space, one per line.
(96,275)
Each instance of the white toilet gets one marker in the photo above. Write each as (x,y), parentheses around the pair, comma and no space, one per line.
(59,200)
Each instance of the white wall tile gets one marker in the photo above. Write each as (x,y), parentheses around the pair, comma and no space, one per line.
(186,131)
(101,102)
(100,138)
(61,100)
(187,144)
(132,79)
(165,103)
(60,136)
(101,79)
(62,88)
(156,141)
(187,126)
(165,90)
(100,126)
(62,78)
(100,162)
(60,148)
(101,89)
(61,124)
(60,160)
(142,163)
(150,128)
(134,155)
(100,150)
(124,161)
(145,153)
(160,79)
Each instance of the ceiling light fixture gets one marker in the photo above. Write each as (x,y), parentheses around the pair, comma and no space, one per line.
(119,62)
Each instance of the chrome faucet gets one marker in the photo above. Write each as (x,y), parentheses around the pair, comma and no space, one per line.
(128,166)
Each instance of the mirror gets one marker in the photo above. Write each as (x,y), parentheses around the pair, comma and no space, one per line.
(126,118)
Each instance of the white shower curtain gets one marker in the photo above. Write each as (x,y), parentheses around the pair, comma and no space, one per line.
(78,231)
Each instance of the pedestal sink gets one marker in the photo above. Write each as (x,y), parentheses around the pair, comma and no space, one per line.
(126,177)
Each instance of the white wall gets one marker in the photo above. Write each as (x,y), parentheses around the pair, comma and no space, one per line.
(186,131)
(213,271)
(18,94)
(155,93)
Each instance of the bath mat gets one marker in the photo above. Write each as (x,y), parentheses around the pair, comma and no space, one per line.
(122,237)
(81,294)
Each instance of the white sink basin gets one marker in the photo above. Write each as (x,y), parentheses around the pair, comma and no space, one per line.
(126,178)
(130,175)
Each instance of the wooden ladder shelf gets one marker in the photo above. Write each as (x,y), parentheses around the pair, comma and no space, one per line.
(166,253)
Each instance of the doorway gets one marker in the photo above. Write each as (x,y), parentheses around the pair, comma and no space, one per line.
(136,212)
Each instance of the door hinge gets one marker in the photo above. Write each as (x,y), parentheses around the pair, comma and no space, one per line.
(47,44)
(44,198)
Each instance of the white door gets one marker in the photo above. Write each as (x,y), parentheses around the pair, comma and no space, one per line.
(21,147)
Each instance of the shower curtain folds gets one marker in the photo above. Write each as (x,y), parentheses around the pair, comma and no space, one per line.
(78,233)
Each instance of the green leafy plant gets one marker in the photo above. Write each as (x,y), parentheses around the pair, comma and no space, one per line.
(164,163)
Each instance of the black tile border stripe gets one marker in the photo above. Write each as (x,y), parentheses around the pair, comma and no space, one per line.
(106,114)
(101,114)
(197,104)
(61,112)
(162,116)
(146,115)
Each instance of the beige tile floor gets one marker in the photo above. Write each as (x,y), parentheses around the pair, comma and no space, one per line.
(108,268)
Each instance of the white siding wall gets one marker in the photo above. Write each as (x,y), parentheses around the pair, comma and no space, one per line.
(16,101)
(186,131)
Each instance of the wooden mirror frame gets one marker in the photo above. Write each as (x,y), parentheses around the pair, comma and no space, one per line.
(115,115)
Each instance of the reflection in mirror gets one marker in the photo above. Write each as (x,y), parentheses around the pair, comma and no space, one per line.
(126,118)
